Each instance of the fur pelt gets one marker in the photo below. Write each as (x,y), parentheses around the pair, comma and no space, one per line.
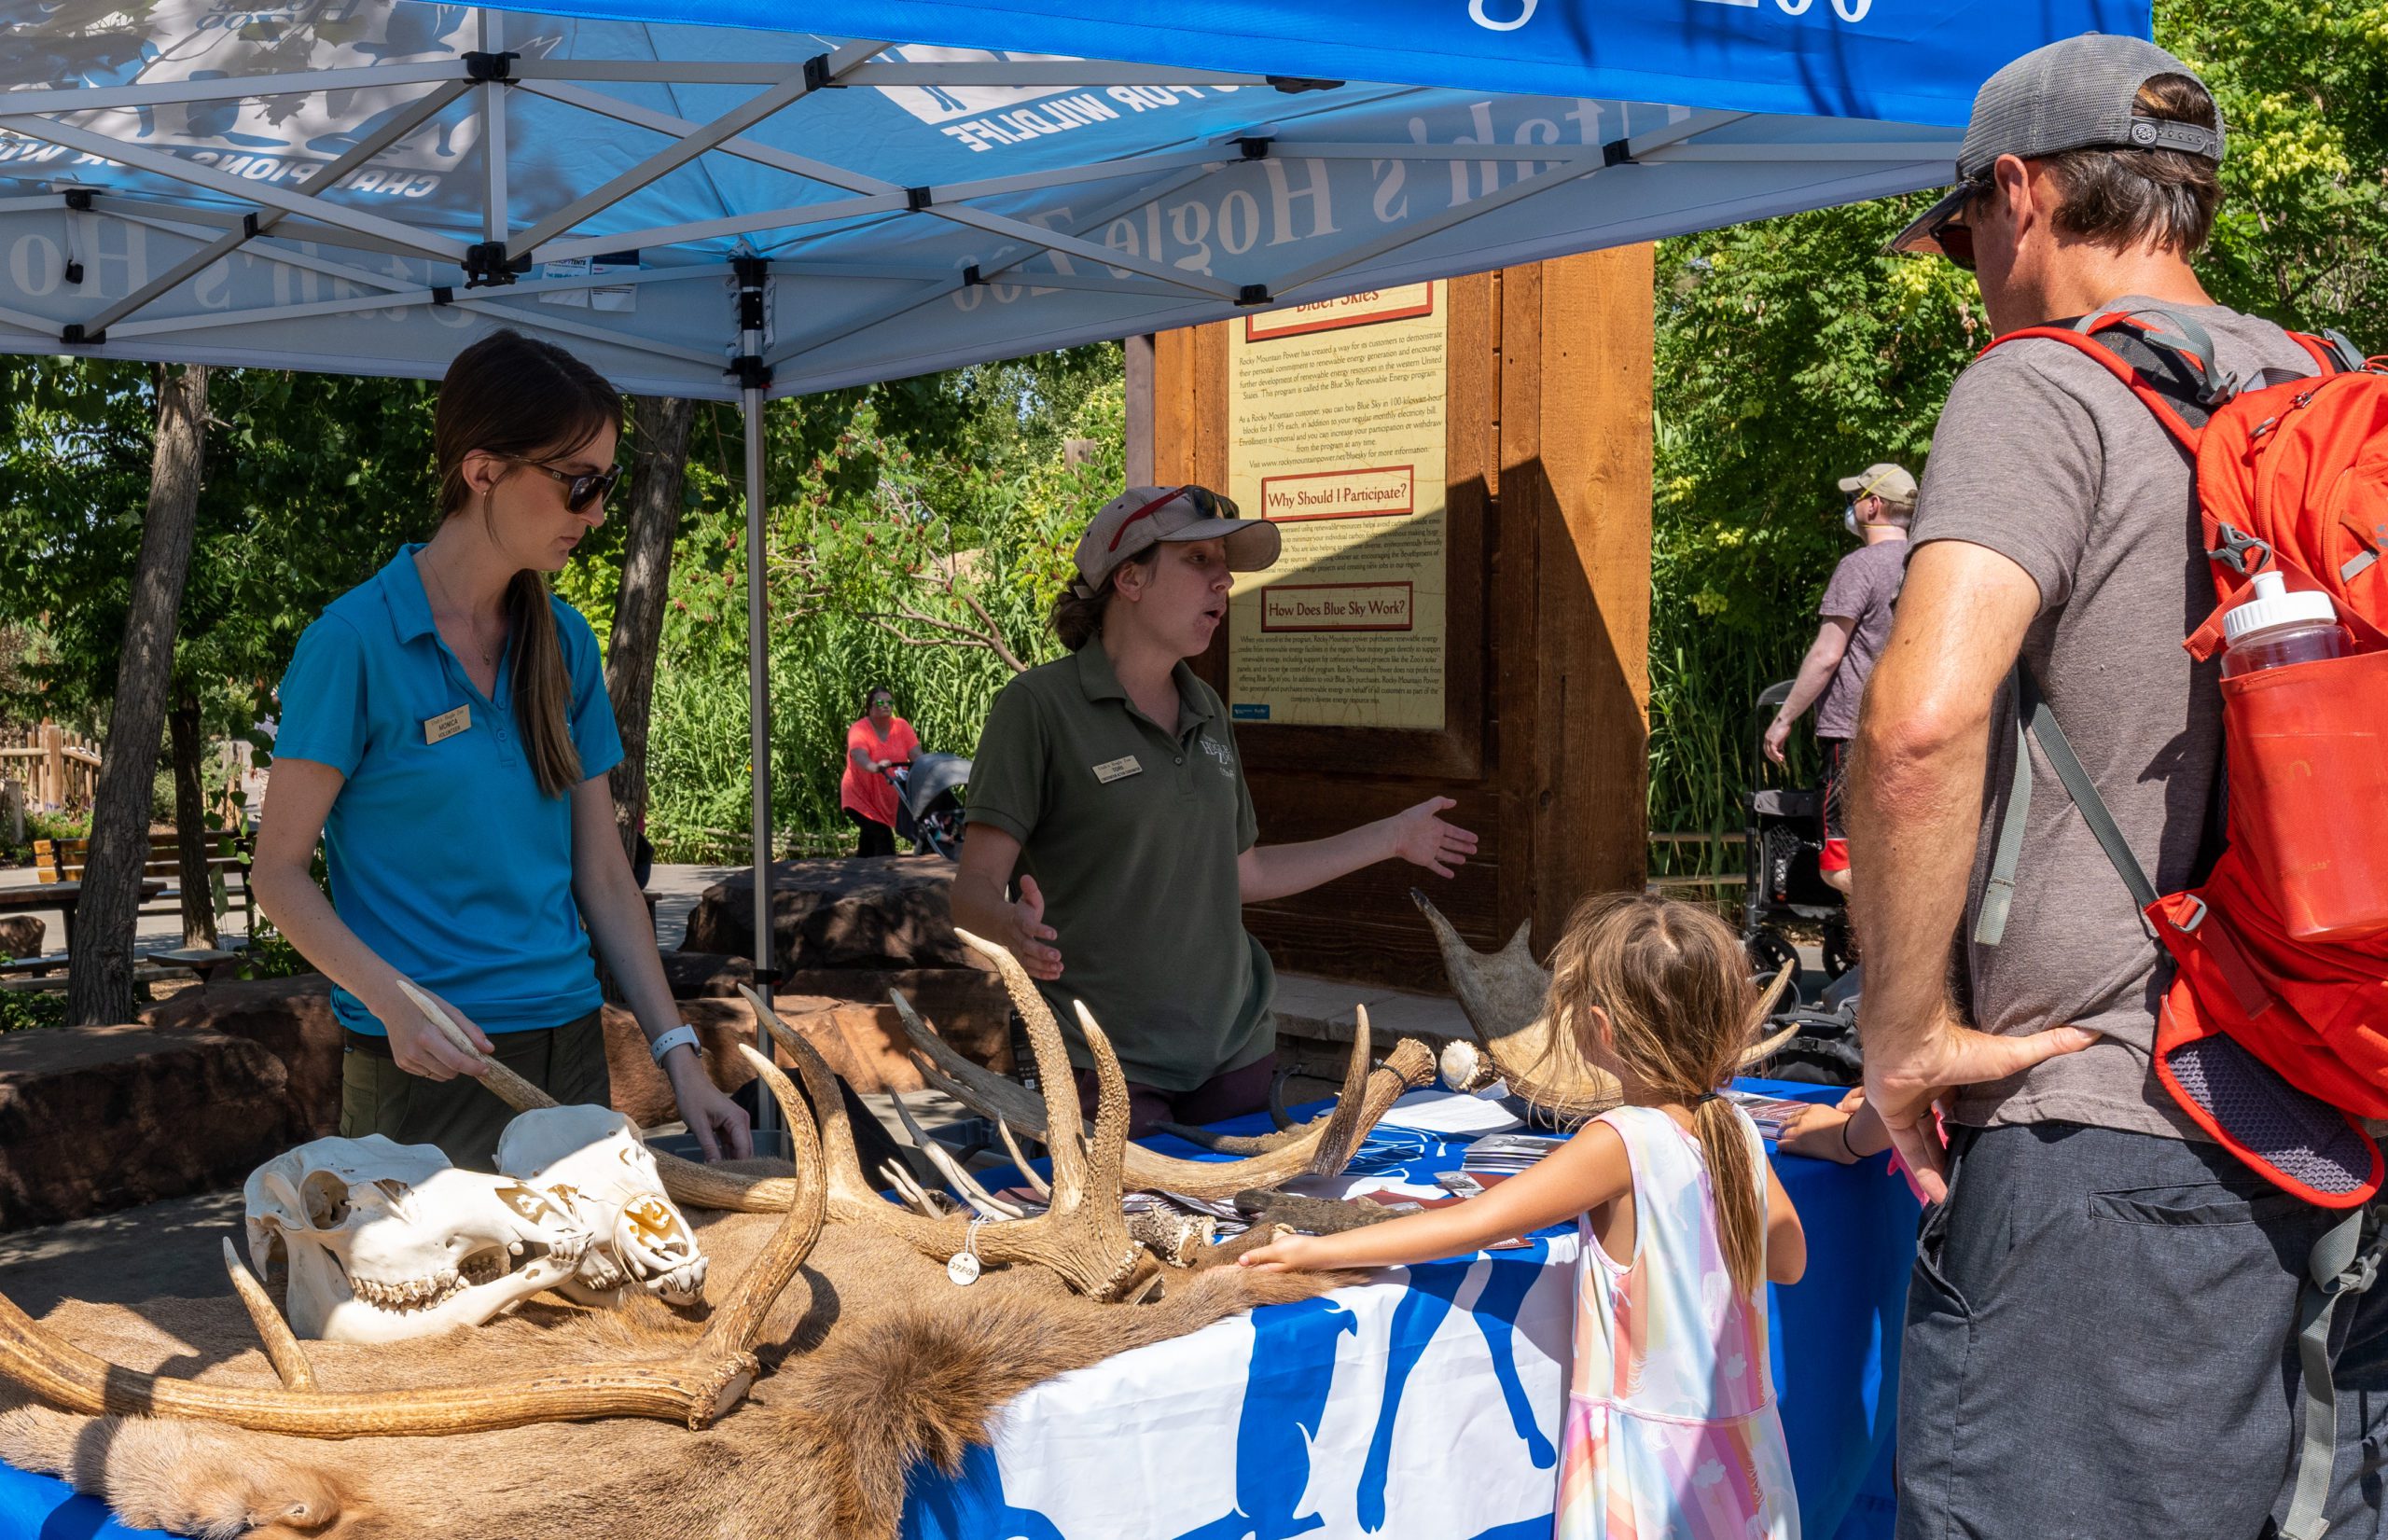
(874,1361)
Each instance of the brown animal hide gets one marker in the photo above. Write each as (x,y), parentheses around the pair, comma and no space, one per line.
(873,1360)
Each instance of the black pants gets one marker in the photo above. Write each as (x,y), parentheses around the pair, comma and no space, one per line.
(877,838)
(2101,1346)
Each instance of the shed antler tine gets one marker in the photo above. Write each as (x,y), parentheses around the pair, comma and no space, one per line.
(281,1347)
(960,1181)
(1027,1173)
(508,1086)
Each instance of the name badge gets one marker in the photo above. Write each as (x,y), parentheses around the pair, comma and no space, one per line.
(448,723)
(1118,769)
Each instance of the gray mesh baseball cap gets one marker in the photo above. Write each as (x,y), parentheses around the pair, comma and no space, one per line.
(2076,94)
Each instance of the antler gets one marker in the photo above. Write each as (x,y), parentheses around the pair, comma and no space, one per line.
(1080,1234)
(696,1389)
(1324,1147)
(1505,997)
(689,1181)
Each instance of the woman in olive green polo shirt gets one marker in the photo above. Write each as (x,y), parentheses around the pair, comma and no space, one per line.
(1107,785)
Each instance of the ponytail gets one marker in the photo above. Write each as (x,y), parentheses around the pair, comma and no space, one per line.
(542,684)
(1733,1179)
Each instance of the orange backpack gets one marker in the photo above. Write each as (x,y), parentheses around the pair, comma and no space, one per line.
(2261,1024)
(2273,1035)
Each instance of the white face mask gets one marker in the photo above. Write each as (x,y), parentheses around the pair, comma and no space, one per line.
(1849,522)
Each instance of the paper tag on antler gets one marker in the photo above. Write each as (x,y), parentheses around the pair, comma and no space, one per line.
(963,1270)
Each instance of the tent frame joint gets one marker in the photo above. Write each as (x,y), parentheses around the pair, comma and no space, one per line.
(80,199)
(816,73)
(487,266)
(490,68)
(1293,85)
(74,336)
(917,198)
(1255,146)
(1616,152)
(1252,294)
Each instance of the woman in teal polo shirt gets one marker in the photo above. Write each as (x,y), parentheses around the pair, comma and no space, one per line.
(1109,785)
(445,732)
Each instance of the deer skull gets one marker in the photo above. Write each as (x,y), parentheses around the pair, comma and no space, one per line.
(386,1241)
(591,1158)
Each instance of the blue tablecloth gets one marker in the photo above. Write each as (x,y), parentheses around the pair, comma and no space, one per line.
(1476,1346)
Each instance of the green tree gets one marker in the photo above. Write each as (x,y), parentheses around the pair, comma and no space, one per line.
(1793,350)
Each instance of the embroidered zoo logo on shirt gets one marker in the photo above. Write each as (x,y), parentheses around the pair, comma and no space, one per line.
(1220,753)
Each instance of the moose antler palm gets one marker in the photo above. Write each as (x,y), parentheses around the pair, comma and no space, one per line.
(697,1388)
(1504,995)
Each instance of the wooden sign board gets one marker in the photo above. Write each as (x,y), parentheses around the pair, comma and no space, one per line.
(1461,473)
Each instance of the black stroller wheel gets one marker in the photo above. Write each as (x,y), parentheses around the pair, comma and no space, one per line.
(1768,951)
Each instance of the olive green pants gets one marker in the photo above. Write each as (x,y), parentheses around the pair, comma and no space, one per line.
(463,1116)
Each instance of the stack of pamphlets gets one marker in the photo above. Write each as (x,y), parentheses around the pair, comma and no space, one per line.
(1507,1154)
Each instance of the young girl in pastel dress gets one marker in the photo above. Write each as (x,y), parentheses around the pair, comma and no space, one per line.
(1672,1431)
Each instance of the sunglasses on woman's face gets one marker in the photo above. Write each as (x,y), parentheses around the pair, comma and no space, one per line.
(579,491)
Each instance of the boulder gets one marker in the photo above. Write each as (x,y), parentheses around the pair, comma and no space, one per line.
(967,1006)
(290,1019)
(864,1044)
(96,1118)
(886,912)
(706,975)
(22,934)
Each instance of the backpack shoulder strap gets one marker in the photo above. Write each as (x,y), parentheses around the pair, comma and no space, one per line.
(2167,361)
(2332,352)
(2034,719)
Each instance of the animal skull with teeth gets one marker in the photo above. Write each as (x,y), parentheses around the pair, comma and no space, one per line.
(592,1158)
(386,1241)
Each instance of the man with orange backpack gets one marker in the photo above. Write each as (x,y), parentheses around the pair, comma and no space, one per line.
(2111,1330)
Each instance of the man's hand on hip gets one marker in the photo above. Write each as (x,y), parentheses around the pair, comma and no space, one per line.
(1911,1066)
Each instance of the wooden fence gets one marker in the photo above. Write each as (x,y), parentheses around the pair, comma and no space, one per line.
(58,770)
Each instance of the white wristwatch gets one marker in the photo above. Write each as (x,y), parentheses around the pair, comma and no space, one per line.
(673,1039)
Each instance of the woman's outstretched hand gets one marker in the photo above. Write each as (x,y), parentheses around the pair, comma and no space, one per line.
(1027,937)
(720,1124)
(1422,839)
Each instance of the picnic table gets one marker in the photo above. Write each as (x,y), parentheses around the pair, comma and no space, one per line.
(61,896)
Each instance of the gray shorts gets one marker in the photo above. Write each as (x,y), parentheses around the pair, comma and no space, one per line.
(2099,1346)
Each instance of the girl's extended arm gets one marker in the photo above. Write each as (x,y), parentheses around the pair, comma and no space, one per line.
(1787,1240)
(1587,1171)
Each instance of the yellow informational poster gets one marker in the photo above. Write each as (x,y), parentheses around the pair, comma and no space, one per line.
(1335,433)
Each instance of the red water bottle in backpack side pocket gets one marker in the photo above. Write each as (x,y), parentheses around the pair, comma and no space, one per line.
(2306,721)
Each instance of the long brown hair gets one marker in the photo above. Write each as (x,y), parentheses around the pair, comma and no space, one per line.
(512,396)
(1674,983)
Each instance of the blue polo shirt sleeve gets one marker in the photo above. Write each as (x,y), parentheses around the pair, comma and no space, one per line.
(324,715)
(594,735)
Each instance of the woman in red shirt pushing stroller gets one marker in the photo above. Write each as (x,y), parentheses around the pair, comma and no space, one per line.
(877,743)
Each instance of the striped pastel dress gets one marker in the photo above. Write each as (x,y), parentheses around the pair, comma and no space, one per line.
(1672,1430)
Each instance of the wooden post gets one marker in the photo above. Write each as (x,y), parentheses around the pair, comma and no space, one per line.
(51,791)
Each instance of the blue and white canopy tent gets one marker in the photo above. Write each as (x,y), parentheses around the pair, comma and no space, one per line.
(736,200)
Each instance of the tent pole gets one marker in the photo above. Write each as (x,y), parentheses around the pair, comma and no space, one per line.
(759,747)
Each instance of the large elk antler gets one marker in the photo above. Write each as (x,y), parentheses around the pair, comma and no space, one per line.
(1505,997)
(1081,1235)
(695,1389)
(1324,1147)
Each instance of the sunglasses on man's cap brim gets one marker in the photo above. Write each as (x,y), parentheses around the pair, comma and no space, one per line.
(1930,233)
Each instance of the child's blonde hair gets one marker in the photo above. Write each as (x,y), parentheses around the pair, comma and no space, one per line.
(1675,986)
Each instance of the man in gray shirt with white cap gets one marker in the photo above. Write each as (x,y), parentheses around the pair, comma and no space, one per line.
(1856,610)
(2101,1328)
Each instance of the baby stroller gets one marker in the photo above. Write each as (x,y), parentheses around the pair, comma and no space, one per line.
(1783,838)
(927,811)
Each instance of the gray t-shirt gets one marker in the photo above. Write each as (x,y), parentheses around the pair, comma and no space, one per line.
(2043,457)
(1863,589)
